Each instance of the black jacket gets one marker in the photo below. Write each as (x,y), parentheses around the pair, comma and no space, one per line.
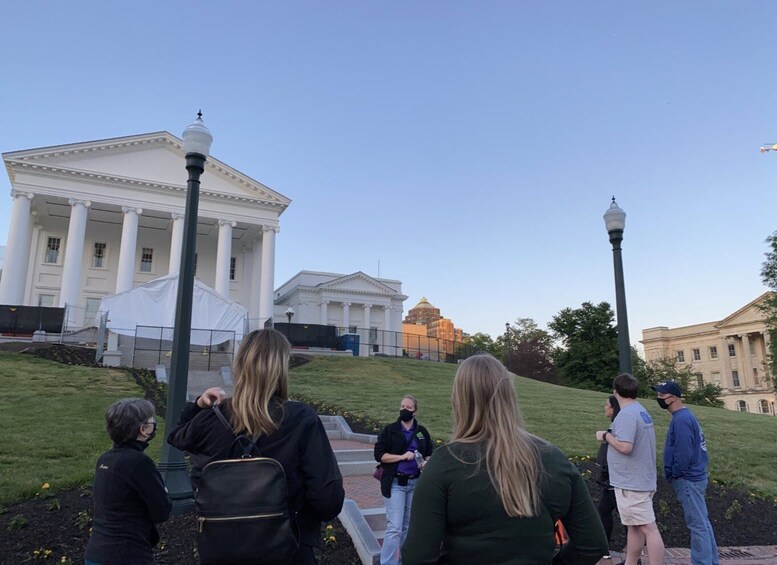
(129,498)
(392,440)
(602,474)
(300,445)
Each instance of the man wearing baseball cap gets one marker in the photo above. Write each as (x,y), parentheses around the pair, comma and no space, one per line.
(685,466)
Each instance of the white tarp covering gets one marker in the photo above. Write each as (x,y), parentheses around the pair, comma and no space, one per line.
(153,306)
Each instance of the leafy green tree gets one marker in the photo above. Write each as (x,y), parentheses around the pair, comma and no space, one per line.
(485,343)
(769,305)
(528,351)
(668,369)
(588,352)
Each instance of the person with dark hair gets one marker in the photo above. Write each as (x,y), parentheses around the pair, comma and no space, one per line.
(402,448)
(685,467)
(129,495)
(285,430)
(631,463)
(607,503)
(493,494)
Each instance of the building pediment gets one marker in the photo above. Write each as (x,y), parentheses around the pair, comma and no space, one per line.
(357,282)
(155,160)
(749,313)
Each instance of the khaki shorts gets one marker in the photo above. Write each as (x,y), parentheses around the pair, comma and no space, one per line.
(635,506)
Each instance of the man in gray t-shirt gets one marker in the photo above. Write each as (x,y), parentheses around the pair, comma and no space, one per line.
(632,466)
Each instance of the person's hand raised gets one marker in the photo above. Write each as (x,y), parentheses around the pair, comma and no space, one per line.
(214,395)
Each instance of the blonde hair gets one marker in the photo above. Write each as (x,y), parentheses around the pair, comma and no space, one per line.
(261,371)
(485,412)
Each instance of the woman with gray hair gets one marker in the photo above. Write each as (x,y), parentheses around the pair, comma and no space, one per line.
(129,495)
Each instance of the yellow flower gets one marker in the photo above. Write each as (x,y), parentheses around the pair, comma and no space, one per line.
(332,538)
(45,486)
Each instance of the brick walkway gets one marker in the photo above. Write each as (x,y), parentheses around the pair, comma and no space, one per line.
(365,491)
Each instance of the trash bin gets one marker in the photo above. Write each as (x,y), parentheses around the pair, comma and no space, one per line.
(350,341)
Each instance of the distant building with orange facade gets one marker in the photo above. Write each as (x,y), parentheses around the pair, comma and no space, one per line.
(427,334)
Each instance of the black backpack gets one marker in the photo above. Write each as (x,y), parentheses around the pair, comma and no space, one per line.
(242,509)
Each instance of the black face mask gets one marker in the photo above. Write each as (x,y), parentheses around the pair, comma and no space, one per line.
(151,436)
(406,415)
(663,403)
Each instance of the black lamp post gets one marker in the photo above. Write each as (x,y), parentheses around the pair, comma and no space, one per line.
(507,342)
(196,145)
(615,220)
(289,313)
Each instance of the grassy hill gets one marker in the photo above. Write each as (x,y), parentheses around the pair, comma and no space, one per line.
(741,446)
(52,417)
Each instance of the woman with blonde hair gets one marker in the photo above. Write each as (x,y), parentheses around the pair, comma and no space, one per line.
(494,492)
(285,430)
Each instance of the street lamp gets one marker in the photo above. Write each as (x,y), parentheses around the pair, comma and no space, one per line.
(507,342)
(615,221)
(196,145)
(289,313)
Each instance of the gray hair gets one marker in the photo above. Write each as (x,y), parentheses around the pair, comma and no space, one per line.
(125,416)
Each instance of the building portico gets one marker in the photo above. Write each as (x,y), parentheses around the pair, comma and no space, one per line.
(96,218)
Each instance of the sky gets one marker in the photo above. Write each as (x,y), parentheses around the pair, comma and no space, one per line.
(467,149)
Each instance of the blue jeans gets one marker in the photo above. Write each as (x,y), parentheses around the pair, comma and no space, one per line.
(397,521)
(690,494)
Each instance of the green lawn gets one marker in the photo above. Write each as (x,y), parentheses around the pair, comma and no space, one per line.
(52,422)
(51,416)
(742,447)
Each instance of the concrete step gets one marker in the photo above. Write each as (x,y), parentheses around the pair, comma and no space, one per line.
(330,425)
(379,535)
(334,434)
(328,418)
(376,518)
(355,455)
(349,468)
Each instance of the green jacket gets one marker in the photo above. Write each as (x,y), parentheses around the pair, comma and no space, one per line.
(458,514)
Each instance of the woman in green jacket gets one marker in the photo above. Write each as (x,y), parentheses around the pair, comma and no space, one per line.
(493,494)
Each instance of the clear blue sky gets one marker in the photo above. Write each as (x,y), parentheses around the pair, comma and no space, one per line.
(469,147)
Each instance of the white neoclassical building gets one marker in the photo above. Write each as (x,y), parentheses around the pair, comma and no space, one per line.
(355,303)
(92,219)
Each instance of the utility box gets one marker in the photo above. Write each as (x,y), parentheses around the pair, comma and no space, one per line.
(350,341)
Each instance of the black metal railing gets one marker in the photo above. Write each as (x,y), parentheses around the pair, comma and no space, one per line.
(208,349)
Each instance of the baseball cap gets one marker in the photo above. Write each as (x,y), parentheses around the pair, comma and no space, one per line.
(668,387)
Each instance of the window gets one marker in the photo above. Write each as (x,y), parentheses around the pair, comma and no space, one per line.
(696,355)
(699,380)
(232,264)
(732,350)
(716,378)
(92,306)
(735,378)
(752,347)
(713,352)
(46,300)
(146,260)
(52,250)
(351,329)
(680,356)
(742,406)
(756,380)
(98,255)
(373,335)
(763,406)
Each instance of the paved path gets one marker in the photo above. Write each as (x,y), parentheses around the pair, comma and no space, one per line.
(365,491)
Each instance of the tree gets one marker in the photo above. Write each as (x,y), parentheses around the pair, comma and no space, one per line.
(668,369)
(482,342)
(769,305)
(588,355)
(528,351)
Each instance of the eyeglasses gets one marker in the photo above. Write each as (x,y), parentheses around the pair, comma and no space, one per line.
(150,424)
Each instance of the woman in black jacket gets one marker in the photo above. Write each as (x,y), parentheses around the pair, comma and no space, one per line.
(402,449)
(129,495)
(285,430)
(607,501)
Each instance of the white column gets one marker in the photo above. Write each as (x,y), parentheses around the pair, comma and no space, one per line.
(255,287)
(346,315)
(176,243)
(324,313)
(747,366)
(18,249)
(74,254)
(125,277)
(224,256)
(31,263)
(365,345)
(367,320)
(267,286)
(387,319)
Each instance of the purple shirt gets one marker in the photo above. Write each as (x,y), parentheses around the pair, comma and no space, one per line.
(409,467)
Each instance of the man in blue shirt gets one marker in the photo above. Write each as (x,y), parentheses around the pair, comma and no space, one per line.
(685,466)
